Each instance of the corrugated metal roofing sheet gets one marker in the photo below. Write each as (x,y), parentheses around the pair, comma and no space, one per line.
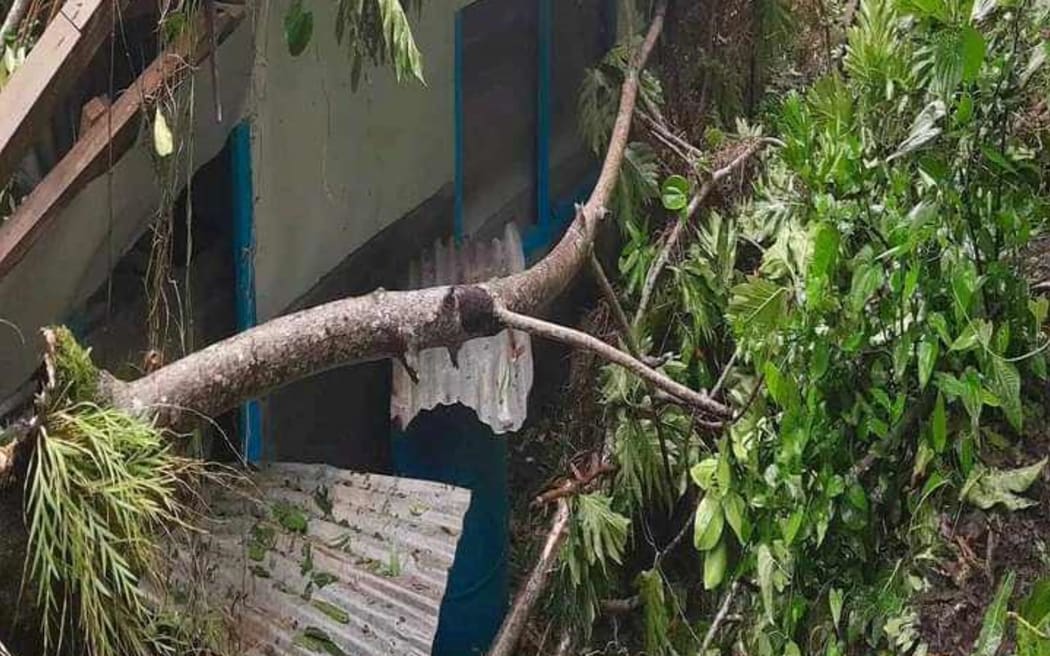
(494,375)
(320,560)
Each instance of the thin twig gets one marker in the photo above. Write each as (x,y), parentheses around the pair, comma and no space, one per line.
(672,239)
(571,486)
(578,339)
(626,334)
(666,138)
(723,610)
(725,374)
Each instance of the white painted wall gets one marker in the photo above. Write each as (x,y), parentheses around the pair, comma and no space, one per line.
(332,166)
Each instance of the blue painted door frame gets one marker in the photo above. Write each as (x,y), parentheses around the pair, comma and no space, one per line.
(552,217)
(244,271)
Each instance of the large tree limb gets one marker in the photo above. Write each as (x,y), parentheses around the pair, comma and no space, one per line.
(382,324)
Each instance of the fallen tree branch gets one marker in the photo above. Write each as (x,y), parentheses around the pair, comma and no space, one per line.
(382,324)
(578,339)
(671,241)
(571,486)
(507,638)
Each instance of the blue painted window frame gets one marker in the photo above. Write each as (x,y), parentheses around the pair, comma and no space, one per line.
(552,216)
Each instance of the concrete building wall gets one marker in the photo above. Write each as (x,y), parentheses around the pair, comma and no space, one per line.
(335,166)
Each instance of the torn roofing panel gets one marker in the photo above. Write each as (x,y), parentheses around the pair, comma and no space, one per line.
(320,559)
(491,375)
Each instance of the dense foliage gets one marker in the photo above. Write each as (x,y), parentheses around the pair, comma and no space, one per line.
(870,302)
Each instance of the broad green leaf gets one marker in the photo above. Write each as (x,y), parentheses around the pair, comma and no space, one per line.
(736,514)
(715,566)
(1005,382)
(298,28)
(703,473)
(987,487)
(857,497)
(902,353)
(707,528)
(939,425)
(825,249)
(940,324)
(976,332)
(724,473)
(791,649)
(964,284)
(1035,611)
(163,141)
(993,628)
(1039,307)
(1036,608)
(929,349)
(968,389)
(765,565)
(973,49)
(782,387)
(792,525)
(674,193)
(964,110)
(835,605)
(867,278)
(757,306)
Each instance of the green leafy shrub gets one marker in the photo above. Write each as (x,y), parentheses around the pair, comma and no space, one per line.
(872,289)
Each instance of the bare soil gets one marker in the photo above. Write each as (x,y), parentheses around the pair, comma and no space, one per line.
(985,547)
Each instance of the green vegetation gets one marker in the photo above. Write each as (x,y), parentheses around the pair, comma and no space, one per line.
(103,487)
(880,335)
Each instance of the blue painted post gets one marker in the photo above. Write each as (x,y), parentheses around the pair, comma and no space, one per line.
(244,270)
(457,111)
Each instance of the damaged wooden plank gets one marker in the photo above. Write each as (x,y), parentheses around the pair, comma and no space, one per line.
(111,134)
(52,67)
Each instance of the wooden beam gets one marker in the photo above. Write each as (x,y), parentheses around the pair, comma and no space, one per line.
(119,126)
(54,64)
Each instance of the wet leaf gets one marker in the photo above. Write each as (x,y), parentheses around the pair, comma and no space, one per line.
(987,487)
(715,566)
(928,352)
(298,28)
(939,425)
(736,514)
(674,193)
(835,605)
(765,566)
(708,523)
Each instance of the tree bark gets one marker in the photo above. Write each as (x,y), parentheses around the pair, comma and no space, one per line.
(510,632)
(382,324)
